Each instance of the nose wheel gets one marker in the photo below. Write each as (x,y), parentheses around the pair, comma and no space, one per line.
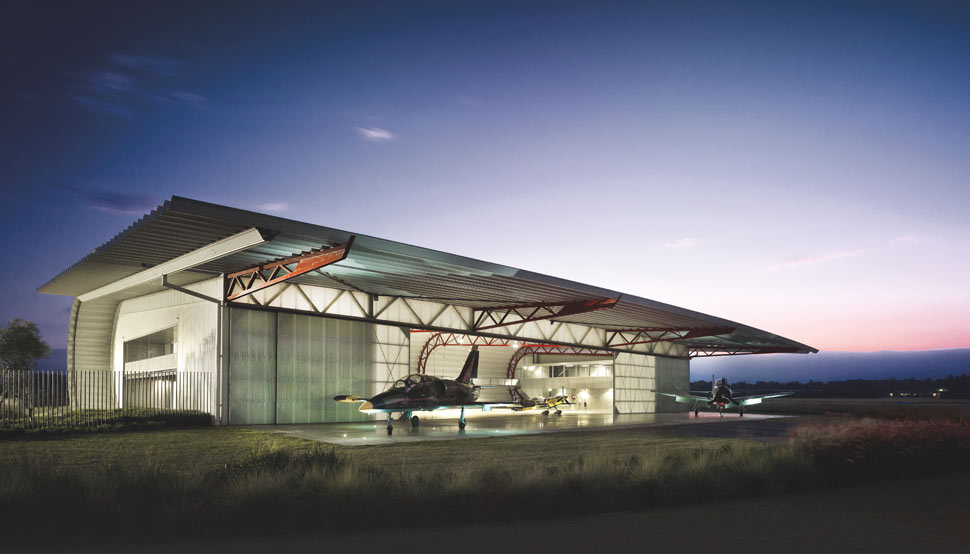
(390,426)
(415,421)
(461,420)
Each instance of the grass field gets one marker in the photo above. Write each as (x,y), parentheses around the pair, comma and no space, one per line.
(211,448)
(233,480)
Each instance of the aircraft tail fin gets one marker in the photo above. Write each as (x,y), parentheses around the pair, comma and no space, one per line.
(470,370)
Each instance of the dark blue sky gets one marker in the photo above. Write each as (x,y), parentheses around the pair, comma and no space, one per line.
(800,167)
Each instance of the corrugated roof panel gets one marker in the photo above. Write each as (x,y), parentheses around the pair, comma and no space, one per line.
(374,265)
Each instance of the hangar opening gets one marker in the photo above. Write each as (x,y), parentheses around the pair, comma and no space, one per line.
(259,319)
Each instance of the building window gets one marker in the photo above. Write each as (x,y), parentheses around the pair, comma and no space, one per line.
(159,343)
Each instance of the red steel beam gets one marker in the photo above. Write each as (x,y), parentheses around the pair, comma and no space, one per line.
(551,349)
(250,280)
(525,313)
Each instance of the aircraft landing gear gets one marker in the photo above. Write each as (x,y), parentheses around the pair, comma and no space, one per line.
(390,426)
(415,421)
(545,412)
(721,413)
(697,412)
(461,420)
(740,411)
(558,412)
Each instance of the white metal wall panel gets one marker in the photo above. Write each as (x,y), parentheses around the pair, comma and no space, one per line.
(197,344)
(391,355)
(252,367)
(316,359)
(673,375)
(634,376)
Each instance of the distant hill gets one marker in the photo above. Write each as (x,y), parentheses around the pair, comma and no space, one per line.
(834,366)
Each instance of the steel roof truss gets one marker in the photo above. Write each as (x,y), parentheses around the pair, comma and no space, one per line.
(248,281)
(490,318)
(630,337)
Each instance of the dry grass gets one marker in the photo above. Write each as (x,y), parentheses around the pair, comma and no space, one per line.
(880,408)
(887,447)
(231,480)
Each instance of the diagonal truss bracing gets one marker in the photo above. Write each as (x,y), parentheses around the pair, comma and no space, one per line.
(700,350)
(250,280)
(505,316)
(630,337)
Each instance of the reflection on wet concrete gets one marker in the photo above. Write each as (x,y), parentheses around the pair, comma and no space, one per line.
(492,425)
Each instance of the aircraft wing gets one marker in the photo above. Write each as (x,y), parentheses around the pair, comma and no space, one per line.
(349,398)
(749,400)
(684,398)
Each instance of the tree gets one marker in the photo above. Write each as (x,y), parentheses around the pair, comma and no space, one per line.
(20,347)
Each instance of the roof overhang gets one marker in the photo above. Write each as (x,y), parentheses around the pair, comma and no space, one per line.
(189,241)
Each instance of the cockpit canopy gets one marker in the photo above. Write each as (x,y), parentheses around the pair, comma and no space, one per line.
(720,382)
(410,380)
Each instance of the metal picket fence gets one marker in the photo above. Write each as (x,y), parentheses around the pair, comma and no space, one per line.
(41,399)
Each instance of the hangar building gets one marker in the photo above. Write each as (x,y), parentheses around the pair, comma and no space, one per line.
(277,316)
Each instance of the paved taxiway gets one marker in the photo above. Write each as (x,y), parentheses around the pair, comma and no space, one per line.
(751,426)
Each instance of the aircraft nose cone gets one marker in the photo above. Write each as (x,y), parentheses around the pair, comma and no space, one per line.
(366,406)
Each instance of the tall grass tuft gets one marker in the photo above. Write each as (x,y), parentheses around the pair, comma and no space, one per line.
(885,447)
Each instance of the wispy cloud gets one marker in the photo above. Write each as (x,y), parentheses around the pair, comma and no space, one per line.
(905,239)
(116,201)
(811,260)
(685,242)
(375,134)
(125,83)
(274,207)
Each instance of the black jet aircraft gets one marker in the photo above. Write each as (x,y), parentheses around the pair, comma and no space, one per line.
(423,393)
(720,399)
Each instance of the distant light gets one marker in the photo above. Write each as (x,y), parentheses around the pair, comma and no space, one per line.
(345,435)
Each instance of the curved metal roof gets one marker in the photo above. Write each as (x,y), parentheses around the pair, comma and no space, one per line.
(382,267)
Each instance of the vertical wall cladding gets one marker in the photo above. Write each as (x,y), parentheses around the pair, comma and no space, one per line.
(286,368)
(318,358)
(673,375)
(392,348)
(634,376)
(252,367)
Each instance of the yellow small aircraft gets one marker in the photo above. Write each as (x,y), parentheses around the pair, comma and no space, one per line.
(544,404)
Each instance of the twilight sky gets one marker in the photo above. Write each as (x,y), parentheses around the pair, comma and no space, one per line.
(803,168)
